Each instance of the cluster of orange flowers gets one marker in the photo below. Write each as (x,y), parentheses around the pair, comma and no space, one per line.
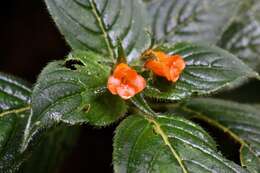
(126,82)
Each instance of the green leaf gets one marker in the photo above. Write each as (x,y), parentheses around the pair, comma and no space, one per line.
(242,38)
(140,102)
(166,144)
(249,159)
(208,69)
(74,92)
(257,106)
(14,113)
(97,24)
(191,20)
(55,146)
(240,121)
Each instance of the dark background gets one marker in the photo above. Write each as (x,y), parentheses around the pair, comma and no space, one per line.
(29,40)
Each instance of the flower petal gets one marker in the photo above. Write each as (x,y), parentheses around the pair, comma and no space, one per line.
(138,83)
(112,84)
(168,66)
(174,74)
(178,62)
(160,55)
(121,70)
(125,91)
(157,67)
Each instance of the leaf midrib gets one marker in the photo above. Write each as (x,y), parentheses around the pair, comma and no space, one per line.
(16,111)
(215,123)
(174,96)
(159,130)
(191,18)
(149,115)
(102,26)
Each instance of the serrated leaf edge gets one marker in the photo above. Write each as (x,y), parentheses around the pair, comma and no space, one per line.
(143,106)
(157,128)
(215,123)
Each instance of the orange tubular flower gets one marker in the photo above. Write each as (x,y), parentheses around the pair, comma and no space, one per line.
(168,66)
(125,82)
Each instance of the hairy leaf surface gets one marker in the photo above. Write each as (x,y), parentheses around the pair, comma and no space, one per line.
(75,92)
(242,38)
(14,112)
(191,20)
(208,69)
(240,121)
(166,144)
(97,24)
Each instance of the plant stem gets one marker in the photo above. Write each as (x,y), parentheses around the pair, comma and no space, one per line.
(16,111)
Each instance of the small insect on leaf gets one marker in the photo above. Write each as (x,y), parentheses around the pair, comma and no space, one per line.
(125,82)
(168,66)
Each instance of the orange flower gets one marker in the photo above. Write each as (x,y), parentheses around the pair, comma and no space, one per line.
(168,66)
(125,82)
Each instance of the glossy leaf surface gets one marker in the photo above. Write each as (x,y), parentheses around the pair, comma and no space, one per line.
(242,38)
(240,121)
(164,144)
(191,20)
(14,112)
(74,91)
(96,25)
(208,70)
